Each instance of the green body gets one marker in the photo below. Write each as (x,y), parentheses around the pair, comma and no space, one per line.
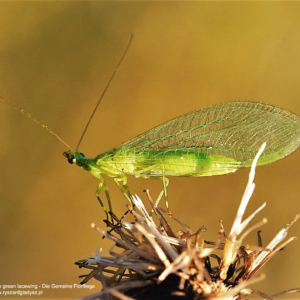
(158,163)
(215,140)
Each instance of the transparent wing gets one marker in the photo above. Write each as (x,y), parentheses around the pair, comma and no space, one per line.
(235,130)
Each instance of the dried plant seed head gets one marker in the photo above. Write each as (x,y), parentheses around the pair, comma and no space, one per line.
(154,263)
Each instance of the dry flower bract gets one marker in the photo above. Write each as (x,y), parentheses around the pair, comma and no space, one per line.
(152,262)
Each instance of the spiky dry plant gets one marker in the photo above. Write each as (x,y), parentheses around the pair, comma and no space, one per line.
(155,263)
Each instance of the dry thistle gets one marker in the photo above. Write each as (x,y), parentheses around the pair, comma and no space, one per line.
(155,263)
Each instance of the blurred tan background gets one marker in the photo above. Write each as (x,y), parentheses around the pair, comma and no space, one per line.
(55,60)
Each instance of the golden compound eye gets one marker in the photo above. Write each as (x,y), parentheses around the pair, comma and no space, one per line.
(72,159)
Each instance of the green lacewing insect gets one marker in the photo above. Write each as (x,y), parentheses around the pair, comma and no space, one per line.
(214,140)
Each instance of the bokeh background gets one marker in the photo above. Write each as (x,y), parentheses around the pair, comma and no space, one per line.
(55,60)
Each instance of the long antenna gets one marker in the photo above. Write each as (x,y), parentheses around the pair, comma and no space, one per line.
(110,80)
(32,118)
